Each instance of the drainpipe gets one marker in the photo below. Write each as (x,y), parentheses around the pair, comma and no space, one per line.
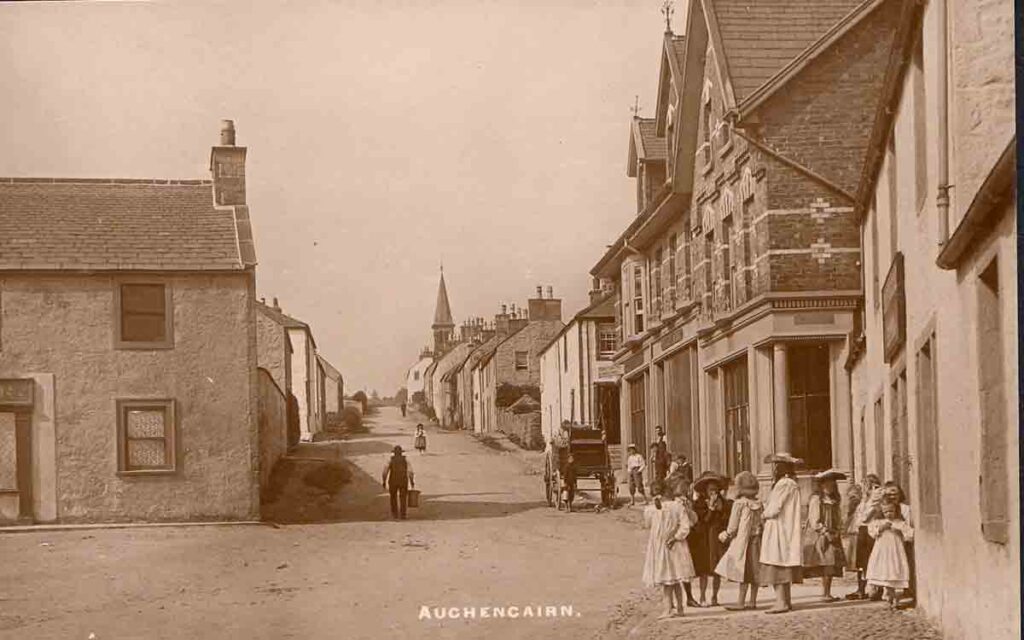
(942,201)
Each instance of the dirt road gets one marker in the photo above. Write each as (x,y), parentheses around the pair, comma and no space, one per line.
(483,542)
(482,538)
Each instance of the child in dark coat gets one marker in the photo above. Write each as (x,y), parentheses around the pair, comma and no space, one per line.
(706,548)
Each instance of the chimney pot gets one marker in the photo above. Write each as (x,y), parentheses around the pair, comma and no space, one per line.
(551,291)
(540,291)
(276,305)
(227,133)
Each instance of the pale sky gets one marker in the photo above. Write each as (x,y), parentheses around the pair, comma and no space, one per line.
(383,137)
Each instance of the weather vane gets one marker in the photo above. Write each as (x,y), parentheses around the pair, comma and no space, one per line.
(667,10)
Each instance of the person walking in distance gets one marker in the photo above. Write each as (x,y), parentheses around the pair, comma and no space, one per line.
(397,478)
(404,409)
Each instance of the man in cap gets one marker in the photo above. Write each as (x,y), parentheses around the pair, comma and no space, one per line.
(397,478)
(635,466)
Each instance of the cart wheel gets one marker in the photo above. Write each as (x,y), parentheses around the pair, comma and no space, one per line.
(556,486)
(547,483)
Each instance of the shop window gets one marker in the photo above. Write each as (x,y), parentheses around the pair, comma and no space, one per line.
(146,431)
(810,411)
(659,256)
(143,316)
(737,418)
(995,472)
(928,478)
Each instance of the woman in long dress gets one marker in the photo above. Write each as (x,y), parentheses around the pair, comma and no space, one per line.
(781,551)
(667,562)
(888,567)
(866,511)
(823,548)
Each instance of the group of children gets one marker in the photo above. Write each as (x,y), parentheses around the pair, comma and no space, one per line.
(696,532)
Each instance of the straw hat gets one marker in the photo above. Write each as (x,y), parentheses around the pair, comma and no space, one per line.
(831,474)
(710,476)
(782,456)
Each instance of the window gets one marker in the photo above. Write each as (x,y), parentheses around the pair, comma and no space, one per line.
(638,299)
(709,270)
(724,138)
(728,265)
(737,420)
(673,249)
(899,430)
(920,128)
(894,217)
(879,432)
(607,342)
(810,410)
(522,360)
(928,477)
(705,115)
(995,470)
(874,254)
(143,316)
(146,436)
(638,413)
(659,255)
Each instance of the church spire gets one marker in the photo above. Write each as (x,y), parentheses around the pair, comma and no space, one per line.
(443,323)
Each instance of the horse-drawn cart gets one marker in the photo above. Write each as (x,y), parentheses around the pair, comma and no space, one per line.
(589,450)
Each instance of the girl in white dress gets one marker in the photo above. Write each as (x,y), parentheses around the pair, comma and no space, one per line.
(888,566)
(667,562)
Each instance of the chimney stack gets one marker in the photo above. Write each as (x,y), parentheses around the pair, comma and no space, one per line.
(227,133)
(227,167)
(277,307)
(545,309)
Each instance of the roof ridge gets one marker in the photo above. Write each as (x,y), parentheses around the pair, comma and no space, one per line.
(121,181)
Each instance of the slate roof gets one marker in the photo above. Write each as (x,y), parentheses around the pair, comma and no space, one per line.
(129,225)
(280,317)
(649,145)
(760,37)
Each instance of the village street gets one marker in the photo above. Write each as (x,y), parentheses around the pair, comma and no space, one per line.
(483,537)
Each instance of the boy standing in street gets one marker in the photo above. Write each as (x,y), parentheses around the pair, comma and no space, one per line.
(397,478)
(635,466)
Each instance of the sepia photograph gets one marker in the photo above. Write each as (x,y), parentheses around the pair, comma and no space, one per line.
(509,319)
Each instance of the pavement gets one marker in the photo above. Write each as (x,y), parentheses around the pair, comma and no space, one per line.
(482,557)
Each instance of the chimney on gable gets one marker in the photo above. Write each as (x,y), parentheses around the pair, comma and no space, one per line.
(227,167)
(277,307)
(545,309)
(502,322)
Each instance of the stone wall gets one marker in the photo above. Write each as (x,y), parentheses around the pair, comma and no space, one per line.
(523,428)
(273,424)
(64,325)
(273,350)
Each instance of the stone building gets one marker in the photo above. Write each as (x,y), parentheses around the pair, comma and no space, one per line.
(128,369)
(333,385)
(515,361)
(415,378)
(934,369)
(579,381)
(288,351)
(739,277)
